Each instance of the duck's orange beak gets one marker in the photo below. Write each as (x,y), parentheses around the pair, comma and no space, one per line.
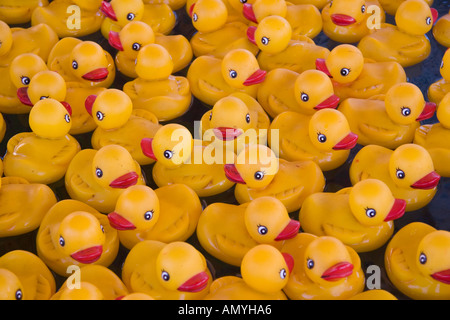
(322,66)
(290,231)
(428,111)
(289,261)
(251,34)
(114,40)
(120,223)
(89,102)
(330,102)
(22,94)
(256,77)
(430,181)
(249,13)
(97,75)
(127,180)
(338,271)
(227,134)
(232,174)
(108,10)
(89,255)
(397,210)
(347,143)
(147,149)
(442,276)
(196,283)
(342,20)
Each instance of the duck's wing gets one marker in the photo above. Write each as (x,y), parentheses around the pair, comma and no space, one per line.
(66,152)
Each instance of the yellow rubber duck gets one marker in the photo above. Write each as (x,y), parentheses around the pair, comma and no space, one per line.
(13,12)
(258,172)
(156,90)
(182,159)
(441,30)
(437,90)
(83,291)
(388,120)
(318,3)
(118,123)
(172,271)
(136,35)
(306,92)
(374,294)
(391,6)
(70,18)
(212,78)
(324,269)
(406,41)
(325,137)
(416,262)
(408,171)
(43,155)
(362,216)
(98,177)
(2,131)
(435,137)
(24,276)
(228,231)
(348,21)
(354,76)
(73,233)
(165,214)
(264,273)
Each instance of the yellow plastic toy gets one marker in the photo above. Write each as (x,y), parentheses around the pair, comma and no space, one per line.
(325,137)
(98,177)
(43,155)
(324,269)
(408,171)
(165,214)
(264,273)
(391,6)
(173,271)
(318,3)
(70,18)
(211,78)
(441,87)
(83,291)
(362,216)
(356,77)
(2,130)
(24,276)
(374,294)
(406,41)
(118,123)
(441,30)
(73,233)
(13,12)
(417,264)
(388,120)
(181,159)
(258,172)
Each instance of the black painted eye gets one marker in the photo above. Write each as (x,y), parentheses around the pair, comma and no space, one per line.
(62,242)
(265,41)
(243,1)
(101,228)
(148,215)
(165,276)
(259,175)
(100,115)
(400,174)
(442,64)
(304,97)
(422,258)
(262,230)
(194,17)
(331,3)
(210,116)
(168,154)
(67,118)
(136,46)
(363,8)
(25,80)
(131,16)
(99,172)
(370,212)
(345,72)
(233,74)
(247,118)
(406,111)
(283,273)
(310,263)
(44,97)
(74,64)
(321,137)
(19,294)
(428,21)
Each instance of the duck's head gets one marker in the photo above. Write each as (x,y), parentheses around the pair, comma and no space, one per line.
(88,62)
(347,12)
(10,286)
(208,15)
(344,64)
(240,68)
(445,66)
(171,145)
(405,104)
(154,62)
(6,39)
(131,38)
(263,8)
(24,67)
(371,202)
(255,166)
(89,5)
(271,35)
(327,261)
(80,236)
(44,84)
(86,291)
(313,91)
(181,267)
(123,11)
(329,130)
(267,220)
(415,17)
(238,5)
(443,111)
(411,166)
(50,119)
(137,208)
(114,167)
(110,109)
(266,269)
(432,256)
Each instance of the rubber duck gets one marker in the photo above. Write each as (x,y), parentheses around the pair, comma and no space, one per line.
(228,231)
(182,159)
(362,216)
(118,123)
(12,12)
(325,137)
(166,214)
(258,172)
(42,155)
(354,76)
(165,95)
(417,263)
(347,21)
(408,171)
(172,271)
(73,233)
(433,137)
(438,89)
(404,42)
(136,296)
(391,6)
(137,34)
(305,92)
(390,119)
(211,78)
(319,4)
(324,269)
(374,294)
(59,15)
(440,30)
(264,273)
(2,130)
(98,177)
(83,291)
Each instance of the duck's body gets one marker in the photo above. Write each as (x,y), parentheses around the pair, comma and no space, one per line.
(12,12)
(441,30)
(374,294)
(437,90)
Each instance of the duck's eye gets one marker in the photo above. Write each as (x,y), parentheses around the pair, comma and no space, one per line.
(25,80)
(148,215)
(259,175)
(262,230)
(310,263)
(442,64)
(102,228)
(370,212)
(243,1)
(168,154)
(233,74)
(67,118)
(265,41)
(136,46)
(400,174)
(19,294)
(62,242)
(363,8)
(304,97)
(428,20)
(165,276)
(131,16)
(422,258)
(247,118)
(406,111)
(74,64)
(345,71)
(194,17)
(44,97)
(331,3)
(210,116)
(321,137)
(100,115)
(283,273)
(99,172)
